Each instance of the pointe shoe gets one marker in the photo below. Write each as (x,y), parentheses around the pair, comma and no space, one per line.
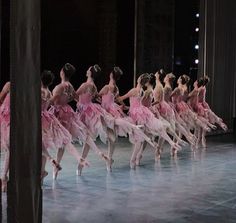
(79,170)
(132,165)
(109,165)
(212,126)
(4,184)
(56,169)
(224,126)
(138,160)
(174,152)
(81,165)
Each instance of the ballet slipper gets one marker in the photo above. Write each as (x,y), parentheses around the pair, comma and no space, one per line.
(4,184)
(132,165)
(81,165)
(56,169)
(203,142)
(158,154)
(56,164)
(174,152)
(138,159)
(109,165)
(223,126)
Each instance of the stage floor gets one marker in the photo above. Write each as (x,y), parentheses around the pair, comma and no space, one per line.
(194,188)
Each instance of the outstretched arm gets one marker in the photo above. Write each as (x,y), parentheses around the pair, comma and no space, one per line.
(127,95)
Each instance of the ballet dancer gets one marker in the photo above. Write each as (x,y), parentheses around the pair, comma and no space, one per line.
(141,115)
(163,109)
(123,123)
(5,130)
(62,94)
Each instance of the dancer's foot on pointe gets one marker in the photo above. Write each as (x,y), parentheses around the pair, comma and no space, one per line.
(158,154)
(138,159)
(132,165)
(109,165)
(81,165)
(56,169)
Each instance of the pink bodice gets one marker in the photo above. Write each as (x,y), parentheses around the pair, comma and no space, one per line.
(85,98)
(201,95)
(108,99)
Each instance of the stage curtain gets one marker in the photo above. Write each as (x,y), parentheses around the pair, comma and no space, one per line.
(217,55)
(24,187)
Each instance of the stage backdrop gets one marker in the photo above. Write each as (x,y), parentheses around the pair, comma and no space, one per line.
(218,55)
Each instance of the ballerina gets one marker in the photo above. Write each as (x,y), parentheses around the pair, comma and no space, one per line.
(141,115)
(163,109)
(123,123)
(5,130)
(62,94)
(213,118)
(179,97)
(94,117)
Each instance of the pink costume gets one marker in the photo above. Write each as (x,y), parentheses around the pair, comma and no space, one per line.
(195,105)
(5,122)
(162,107)
(123,124)
(66,115)
(211,116)
(96,119)
(54,134)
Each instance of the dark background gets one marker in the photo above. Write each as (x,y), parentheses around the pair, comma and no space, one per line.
(88,32)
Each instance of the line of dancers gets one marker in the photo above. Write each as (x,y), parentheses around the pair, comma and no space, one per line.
(156,114)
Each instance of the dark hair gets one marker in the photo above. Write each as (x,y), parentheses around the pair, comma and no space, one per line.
(203,81)
(200,82)
(144,78)
(117,73)
(184,79)
(162,75)
(68,70)
(152,80)
(95,71)
(47,78)
(206,80)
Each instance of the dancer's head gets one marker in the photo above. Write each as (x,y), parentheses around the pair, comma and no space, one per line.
(152,79)
(183,79)
(47,78)
(203,81)
(169,78)
(116,73)
(144,80)
(93,72)
(67,71)
(160,75)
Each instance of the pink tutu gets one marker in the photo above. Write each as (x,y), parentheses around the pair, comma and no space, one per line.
(164,109)
(124,125)
(5,123)
(142,115)
(54,135)
(96,119)
(69,119)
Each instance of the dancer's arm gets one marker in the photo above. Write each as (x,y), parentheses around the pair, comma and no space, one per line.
(4,92)
(127,95)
